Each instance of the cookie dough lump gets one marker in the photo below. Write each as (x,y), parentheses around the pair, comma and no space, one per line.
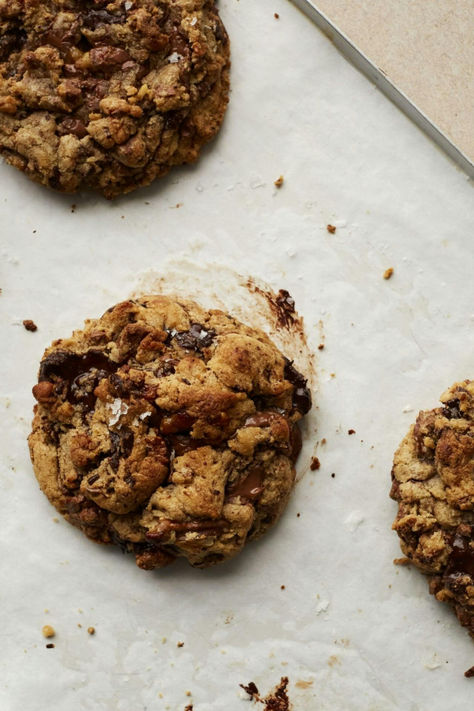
(433,482)
(109,95)
(169,430)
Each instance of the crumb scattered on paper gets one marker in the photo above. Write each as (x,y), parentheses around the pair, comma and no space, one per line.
(469,672)
(91,630)
(331,229)
(277,700)
(351,432)
(315,464)
(30,325)
(279,181)
(48,631)
(388,273)
(50,646)
(401,561)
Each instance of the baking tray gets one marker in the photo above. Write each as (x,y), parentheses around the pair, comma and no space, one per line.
(350,630)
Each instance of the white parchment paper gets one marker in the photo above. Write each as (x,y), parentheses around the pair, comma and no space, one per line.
(361,634)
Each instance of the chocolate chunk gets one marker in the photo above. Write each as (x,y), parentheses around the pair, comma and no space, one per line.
(461,559)
(179,422)
(196,338)
(104,58)
(451,410)
(122,445)
(301,394)
(67,365)
(74,126)
(251,486)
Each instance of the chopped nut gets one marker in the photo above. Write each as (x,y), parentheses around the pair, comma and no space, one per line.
(388,273)
(331,229)
(48,631)
(279,181)
(30,325)
(42,391)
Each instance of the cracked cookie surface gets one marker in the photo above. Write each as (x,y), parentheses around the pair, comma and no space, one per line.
(169,430)
(109,95)
(433,482)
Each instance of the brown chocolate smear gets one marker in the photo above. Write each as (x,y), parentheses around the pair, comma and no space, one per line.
(461,560)
(296,442)
(196,338)
(301,395)
(251,486)
(285,309)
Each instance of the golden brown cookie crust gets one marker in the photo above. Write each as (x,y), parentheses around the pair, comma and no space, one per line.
(168,429)
(109,95)
(433,482)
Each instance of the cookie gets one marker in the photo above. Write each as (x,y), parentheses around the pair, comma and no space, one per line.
(109,95)
(433,482)
(168,430)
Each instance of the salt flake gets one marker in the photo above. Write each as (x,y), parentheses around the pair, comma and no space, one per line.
(174,58)
(118,408)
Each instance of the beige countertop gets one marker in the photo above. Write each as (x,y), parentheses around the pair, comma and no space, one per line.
(426,48)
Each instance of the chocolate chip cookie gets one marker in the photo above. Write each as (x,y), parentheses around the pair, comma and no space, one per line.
(168,430)
(433,482)
(109,95)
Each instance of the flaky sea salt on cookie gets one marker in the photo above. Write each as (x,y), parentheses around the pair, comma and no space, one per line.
(433,482)
(109,95)
(169,430)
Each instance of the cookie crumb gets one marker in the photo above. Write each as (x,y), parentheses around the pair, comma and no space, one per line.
(298,515)
(91,630)
(469,673)
(279,181)
(50,646)
(315,464)
(282,587)
(276,15)
(331,229)
(250,689)
(180,644)
(401,561)
(324,440)
(333,475)
(388,273)
(189,707)
(79,624)
(30,325)
(351,432)
(48,631)
(321,347)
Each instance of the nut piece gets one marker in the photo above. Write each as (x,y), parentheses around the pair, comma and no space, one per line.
(48,631)
(42,391)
